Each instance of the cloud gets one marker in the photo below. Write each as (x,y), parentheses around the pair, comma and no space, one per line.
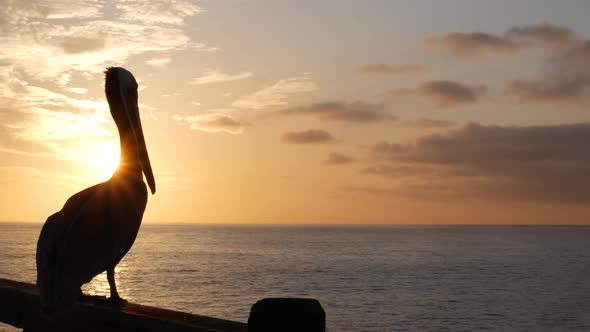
(396,171)
(425,123)
(159,62)
(276,94)
(312,136)
(36,41)
(536,163)
(359,111)
(384,69)
(371,190)
(215,76)
(39,122)
(565,90)
(564,80)
(19,94)
(546,32)
(512,41)
(77,45)
(335,158)
(450,93)
(80,91)
(15,14)
(157,11)
(47,44)
(61,135)
(472,43)
(479,144)
(445,93)
(214,123)
(10,143)
(42,128)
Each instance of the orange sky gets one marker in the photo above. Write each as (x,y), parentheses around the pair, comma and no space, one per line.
(299,112)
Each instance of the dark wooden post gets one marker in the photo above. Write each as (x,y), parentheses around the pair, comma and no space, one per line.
(287,315)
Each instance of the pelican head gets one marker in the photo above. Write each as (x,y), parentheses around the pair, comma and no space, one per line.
(121,92)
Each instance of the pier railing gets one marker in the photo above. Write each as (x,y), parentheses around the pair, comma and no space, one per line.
(19,307)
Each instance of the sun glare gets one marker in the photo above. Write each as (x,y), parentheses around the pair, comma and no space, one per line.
(107,158)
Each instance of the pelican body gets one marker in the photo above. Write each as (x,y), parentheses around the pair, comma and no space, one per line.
(97,226)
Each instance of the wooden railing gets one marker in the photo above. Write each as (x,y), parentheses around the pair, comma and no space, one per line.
(19,307)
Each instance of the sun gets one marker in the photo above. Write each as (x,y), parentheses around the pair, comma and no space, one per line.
(107,158)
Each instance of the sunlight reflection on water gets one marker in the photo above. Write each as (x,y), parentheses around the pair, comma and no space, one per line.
(100,285)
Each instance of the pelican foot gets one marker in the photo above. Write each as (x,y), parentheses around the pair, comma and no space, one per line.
(91,298)
(115,301)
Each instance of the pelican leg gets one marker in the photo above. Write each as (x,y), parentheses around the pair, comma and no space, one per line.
(115,298)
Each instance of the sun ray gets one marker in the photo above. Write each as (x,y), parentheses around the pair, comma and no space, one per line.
(106,158)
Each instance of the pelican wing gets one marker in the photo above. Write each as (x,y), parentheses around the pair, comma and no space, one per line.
(92,233)
(50,247)
(85,249)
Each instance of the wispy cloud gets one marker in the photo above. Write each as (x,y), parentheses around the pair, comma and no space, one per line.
(385,69)
(560,90)
(214,123)
(14,13)
(157,11)
(544,32)
(47,45)
(35,40)
(50,124)
(19,93)
(216,76)
(512,41)
(425,123)
(10,143)
(473,43)
(78,45)
(359,111)
(445,93)
(71,137)
(336,158)
(451,93)
(79,91)
(564,80)
(159,62)
(536,163)
(312,136)
(397,171)
(277,94)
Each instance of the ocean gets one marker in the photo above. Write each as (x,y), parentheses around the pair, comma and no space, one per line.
(367,278)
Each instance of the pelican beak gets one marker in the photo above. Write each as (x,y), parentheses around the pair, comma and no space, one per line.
(142,154)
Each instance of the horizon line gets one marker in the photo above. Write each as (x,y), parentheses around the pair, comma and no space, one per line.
(307,224)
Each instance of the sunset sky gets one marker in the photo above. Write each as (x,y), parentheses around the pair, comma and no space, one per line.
(337,111)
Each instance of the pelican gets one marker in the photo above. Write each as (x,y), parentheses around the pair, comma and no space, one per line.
(97,226)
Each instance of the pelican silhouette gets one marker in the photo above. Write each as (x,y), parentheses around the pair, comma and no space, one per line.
(97,226)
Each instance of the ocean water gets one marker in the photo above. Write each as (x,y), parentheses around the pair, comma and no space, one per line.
(366,278)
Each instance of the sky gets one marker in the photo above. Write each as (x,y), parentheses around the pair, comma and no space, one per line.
(305,112)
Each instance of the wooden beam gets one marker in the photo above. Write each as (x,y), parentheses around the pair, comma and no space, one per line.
(19,307)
